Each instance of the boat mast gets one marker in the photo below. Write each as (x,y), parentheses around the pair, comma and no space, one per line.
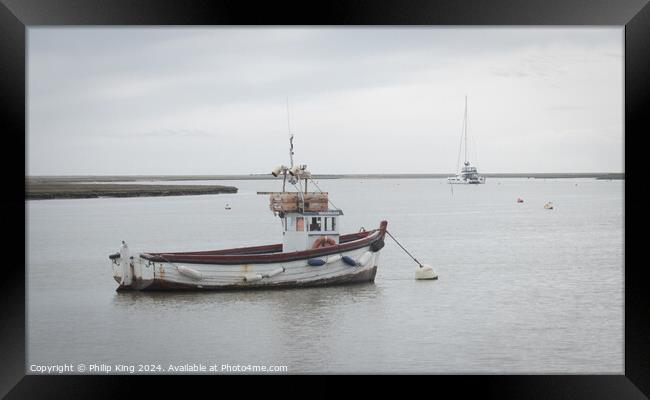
(465,129)
(290,135)
(290,148)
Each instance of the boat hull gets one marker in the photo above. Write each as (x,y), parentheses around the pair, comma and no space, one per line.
(354,261)
(362,275)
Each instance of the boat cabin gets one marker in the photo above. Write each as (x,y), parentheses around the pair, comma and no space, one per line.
(307,222)
(306,230)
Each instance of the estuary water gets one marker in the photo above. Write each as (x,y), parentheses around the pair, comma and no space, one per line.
(521,289)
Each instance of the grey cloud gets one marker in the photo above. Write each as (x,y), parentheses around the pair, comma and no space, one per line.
(203,88)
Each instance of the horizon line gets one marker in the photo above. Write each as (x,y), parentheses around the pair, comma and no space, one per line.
(432,174)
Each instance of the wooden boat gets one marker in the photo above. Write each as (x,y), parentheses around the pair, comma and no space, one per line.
(312,252)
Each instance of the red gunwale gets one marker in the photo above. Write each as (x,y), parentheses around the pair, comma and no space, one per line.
(269,253)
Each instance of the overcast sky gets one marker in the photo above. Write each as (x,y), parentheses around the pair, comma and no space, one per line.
(362,100)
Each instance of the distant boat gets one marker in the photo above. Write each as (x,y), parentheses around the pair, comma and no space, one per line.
(468,174)
(227,206)
(520,200)
(548,205)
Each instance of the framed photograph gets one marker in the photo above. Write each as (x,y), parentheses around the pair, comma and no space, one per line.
(372,189)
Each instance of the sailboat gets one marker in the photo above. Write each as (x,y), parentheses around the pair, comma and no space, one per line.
(468,174)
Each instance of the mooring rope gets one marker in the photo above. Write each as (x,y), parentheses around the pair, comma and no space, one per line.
(399,244)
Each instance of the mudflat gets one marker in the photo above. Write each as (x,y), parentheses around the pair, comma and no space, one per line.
(36,189)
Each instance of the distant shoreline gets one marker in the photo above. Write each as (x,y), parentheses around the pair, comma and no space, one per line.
(136,178)
(88,187)
(71,190)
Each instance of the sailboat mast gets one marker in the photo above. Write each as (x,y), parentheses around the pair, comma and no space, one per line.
(465,128)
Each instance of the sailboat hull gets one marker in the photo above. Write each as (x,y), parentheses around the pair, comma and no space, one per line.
(461,181)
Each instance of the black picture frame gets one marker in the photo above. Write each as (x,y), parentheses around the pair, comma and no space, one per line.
(17,15)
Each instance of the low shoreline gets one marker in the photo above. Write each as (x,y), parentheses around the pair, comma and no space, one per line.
(71,190)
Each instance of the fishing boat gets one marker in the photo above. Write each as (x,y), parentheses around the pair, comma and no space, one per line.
(468,173)
(312,251)
(548,205)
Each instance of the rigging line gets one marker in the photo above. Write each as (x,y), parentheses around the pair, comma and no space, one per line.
(474,146)
(328,198)
(460,149)
(465,125)
(299,189)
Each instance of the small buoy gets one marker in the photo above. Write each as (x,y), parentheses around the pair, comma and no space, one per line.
(273,273)
(252,277)
(425,272)
(333,258)
(349,261)
(365,257)
(192,273)
(316,262)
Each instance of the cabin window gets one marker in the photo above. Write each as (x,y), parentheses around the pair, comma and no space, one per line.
(284,223)
(333,223)
(315,224)
(300,224)
(325,224)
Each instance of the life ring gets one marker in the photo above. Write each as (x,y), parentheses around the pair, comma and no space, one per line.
(323,242)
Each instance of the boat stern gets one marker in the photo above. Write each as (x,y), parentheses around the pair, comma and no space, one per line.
(131,273)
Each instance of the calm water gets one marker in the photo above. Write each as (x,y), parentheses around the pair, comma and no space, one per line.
(521,289)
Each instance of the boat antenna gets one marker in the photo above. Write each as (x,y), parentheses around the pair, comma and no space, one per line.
(291,149)
(290,135)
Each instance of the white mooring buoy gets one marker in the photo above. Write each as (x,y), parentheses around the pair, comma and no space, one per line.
(425,272)
(422,271)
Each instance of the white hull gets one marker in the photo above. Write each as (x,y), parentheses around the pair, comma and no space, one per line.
(459,181)
(143,274)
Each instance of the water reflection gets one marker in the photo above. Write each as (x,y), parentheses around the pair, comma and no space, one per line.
(293,300)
